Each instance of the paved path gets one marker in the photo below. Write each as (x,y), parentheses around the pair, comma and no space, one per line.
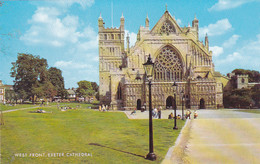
(145,114)
(12,110)
(219,136)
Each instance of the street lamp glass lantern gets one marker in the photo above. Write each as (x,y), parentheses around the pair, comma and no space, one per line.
(149,67)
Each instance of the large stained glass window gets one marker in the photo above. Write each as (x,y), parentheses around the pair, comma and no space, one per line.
(168,65)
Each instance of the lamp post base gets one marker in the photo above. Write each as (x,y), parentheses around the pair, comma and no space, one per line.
(175,128)
(151,156)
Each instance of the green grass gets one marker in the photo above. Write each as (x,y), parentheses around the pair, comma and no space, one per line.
(257,111)
(18,106)
(109,136)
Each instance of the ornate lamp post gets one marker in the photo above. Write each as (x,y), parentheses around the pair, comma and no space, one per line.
(182,100)
(149,67)
(175,105)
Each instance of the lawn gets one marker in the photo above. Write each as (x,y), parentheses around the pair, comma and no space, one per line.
(109,137)
(18,106)
(250,111)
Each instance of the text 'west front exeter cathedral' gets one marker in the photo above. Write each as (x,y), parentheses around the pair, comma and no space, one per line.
(178,56)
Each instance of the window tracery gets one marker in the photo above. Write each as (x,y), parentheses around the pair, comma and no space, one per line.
(167,28)
(168,65)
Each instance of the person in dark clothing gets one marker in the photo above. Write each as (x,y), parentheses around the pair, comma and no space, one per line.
(159,113)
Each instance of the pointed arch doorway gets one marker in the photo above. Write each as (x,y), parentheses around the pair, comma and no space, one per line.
(170,102)
(202,104)
(138,106)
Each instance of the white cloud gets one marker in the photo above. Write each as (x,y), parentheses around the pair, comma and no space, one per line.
(49,29)
(219,28)
(132,36)
(229,4)
(246,57)
(216,50)
(253,47)
(231,41)
(67,3)
(73,44)
(231,57)
(72,65)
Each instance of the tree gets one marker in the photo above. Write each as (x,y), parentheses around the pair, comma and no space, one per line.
(85,89)
(55,77)
(253,76)
(256,94)
(94,86)
(97,95)
(30,73)
(237,98)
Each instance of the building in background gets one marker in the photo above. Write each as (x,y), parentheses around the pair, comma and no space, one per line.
(2,92)
(71,94)
(242,81)
(7,93)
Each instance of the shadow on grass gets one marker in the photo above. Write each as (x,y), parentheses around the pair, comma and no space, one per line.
(96,144)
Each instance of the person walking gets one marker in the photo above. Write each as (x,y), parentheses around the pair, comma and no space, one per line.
(189,114)
(159,113)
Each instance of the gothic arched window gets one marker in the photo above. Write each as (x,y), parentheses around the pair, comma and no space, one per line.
(168,65)
(119,92)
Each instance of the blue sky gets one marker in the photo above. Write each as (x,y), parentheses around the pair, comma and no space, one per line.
(65,31)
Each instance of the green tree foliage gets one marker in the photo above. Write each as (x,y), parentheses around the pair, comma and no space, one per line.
(31,77)
(94,86)
(256,94)
(253,76)
(244,98)
(85,89)
(237,98)
(55,77)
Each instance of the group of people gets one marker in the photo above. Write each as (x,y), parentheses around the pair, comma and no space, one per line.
(64,108)
(187,115)
(103,108)
(171,116)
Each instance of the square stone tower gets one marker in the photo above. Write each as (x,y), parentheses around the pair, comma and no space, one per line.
(242,81)
(111,50)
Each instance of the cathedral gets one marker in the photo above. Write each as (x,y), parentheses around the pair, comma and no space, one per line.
(179,57)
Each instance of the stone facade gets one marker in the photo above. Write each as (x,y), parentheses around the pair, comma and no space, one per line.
(242,81)
(178,55)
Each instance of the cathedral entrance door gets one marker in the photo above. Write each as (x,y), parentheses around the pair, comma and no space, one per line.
(170,103)
(138,107)
(202,104)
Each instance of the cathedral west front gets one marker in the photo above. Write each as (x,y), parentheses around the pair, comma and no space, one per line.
(178,57)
